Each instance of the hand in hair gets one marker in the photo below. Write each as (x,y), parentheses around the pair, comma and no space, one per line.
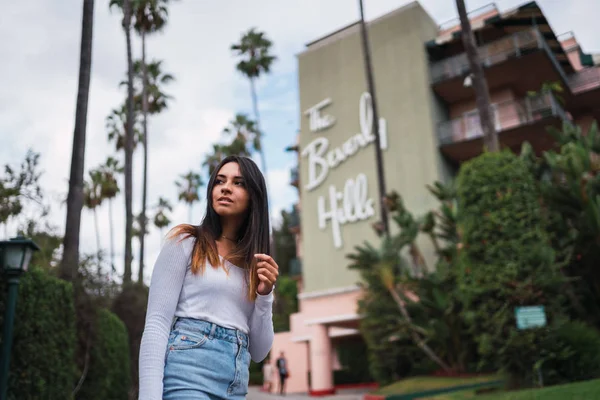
(268,271)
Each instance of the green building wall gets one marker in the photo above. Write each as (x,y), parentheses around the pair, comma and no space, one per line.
(334,68)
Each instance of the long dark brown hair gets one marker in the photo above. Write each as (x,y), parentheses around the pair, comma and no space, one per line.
(253,236)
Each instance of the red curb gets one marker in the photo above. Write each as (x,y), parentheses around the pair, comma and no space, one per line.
(373,397)
(324,392)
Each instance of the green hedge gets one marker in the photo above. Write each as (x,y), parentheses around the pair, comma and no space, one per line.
(130,306)
(43,351)
(506,261)
(571,354)
(109,375)
(256,375)
(353,355)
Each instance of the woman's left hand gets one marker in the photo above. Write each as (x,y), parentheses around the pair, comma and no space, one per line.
(268,271)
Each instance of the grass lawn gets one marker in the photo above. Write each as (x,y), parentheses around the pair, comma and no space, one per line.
(422,383)
(573,391)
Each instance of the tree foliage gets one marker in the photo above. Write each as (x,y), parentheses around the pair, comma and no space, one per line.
(570,353)
(253,50)
(286,289)
(158,100)
(506,261)
(241,138)
(48,240)
(19,185)
(130,306)
(116,125)
(109,375)
(569,183)
(43,351)
(161,218)
(413,318)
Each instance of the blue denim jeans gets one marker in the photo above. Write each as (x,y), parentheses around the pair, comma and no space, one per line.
(205,361)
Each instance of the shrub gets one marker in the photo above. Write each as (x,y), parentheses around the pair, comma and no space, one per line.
(571,354)
(506,261)
(569,180)
(256,375)
(413,322)
(286,303)
(391,354)
(353,357)
(109,374)
(130,306)
(43,351)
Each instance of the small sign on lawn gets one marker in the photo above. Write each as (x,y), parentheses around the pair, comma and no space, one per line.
(530,317)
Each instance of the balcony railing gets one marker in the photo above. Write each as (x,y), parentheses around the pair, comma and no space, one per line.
(493,53)
(477,13)
(584,80)
(507,115)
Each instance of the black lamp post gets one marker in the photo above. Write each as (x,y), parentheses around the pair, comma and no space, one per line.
(15,255)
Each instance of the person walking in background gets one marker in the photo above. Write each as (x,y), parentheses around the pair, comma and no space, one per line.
(267,375)
(283,372)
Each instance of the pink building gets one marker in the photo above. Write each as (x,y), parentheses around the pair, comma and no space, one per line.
(429,125)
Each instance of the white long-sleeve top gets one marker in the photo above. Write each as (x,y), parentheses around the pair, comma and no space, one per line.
(219,295)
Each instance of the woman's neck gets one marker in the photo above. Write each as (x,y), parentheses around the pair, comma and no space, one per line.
(230,229)
(228,240)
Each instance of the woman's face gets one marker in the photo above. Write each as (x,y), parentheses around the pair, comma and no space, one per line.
(229,195)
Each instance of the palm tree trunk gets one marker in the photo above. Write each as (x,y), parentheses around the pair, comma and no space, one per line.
(482,95)
(375,124)
(263,159)
(97,240)
(145,139)
(112,237)
(190,213)
(257,118)
(128,147)
(70,260)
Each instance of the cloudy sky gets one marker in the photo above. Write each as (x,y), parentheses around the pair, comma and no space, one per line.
(40,52)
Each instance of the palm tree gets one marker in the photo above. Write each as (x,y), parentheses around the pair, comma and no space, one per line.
(137,232)
(161,219)
(70,259)
(482,95)
(150,16)
(110,189)
(92,199)
(213,158)
(116,126)
(253,49)
(152,101)
(126,7)
(188,186)
(244,130)
(157,99)
(383,226)
(237,147)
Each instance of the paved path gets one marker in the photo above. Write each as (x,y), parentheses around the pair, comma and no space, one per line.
(254,393)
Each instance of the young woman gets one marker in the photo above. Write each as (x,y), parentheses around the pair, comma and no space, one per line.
(211,295)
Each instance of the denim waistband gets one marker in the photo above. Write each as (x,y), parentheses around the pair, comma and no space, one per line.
(211,330)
